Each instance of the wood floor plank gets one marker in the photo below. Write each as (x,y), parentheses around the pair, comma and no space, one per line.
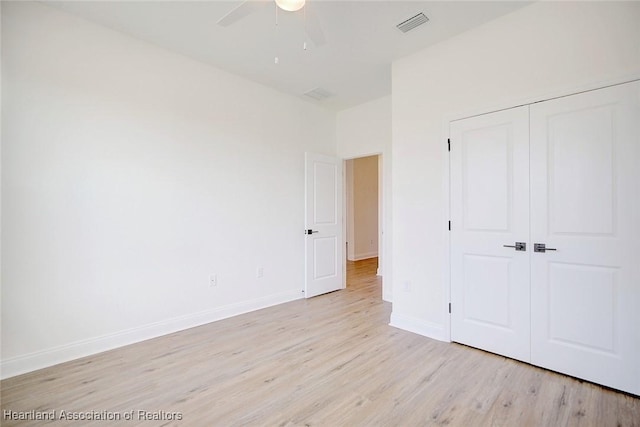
(328,361)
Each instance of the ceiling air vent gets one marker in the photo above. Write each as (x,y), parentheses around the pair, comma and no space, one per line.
(318,94)
(412,22)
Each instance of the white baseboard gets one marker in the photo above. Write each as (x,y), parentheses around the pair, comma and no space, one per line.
(387,295)
(75,350)
(419,326)
(366,255)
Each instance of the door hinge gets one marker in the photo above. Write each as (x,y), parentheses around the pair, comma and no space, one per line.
(449,144)
(449,225)
(449,308)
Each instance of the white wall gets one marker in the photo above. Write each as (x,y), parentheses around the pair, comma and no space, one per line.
(129,175)
(365,129)
(546,49)
(1,174)
(362,131)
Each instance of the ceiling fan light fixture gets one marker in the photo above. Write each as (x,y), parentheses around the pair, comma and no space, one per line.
(290,5)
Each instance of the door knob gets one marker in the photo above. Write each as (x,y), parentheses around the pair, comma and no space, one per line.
(519,246)
(310,231)
(541,247)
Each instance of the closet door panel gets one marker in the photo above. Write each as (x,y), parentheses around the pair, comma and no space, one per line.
(490,209)
(584,200)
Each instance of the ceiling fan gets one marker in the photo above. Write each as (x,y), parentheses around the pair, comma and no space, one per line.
(312,25)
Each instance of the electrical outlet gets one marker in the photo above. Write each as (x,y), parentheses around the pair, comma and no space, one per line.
(213,280)
(259,272)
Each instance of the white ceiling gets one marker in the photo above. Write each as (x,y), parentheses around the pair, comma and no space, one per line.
(354,64)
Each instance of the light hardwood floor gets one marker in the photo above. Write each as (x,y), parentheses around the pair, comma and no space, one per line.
(328,361)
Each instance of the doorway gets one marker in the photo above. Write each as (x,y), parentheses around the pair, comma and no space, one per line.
(363,209)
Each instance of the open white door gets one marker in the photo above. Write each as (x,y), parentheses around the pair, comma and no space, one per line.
(323,225)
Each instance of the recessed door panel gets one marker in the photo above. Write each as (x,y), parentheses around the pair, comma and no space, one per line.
(581,171)
(487,276)
(325,185)
(582,307)
(325,262)
(486,176)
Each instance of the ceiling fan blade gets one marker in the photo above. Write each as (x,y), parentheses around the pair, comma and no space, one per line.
(245,8)
(313,28)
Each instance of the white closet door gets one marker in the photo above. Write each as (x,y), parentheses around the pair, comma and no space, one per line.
(585,189)
(490,209)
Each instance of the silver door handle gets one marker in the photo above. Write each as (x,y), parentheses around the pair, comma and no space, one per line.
(310,231)
(542,247)
(519,246)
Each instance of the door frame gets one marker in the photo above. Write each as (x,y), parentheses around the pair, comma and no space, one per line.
(446,170)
